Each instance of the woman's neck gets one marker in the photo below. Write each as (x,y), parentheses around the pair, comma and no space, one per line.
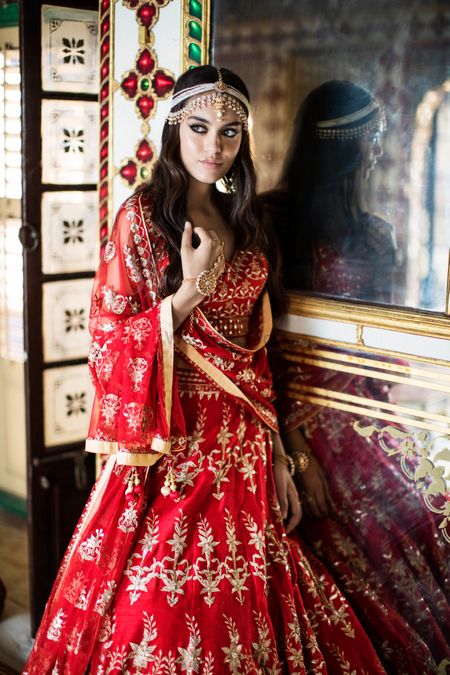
(200,196)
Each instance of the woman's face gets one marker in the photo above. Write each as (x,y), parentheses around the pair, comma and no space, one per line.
(371,150)
(209,145)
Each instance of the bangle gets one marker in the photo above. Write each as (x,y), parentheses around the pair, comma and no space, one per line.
(300,459)
(189,279)
(287,461)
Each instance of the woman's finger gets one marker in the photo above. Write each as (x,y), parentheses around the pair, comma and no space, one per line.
(207,235)
(186,237)
(295,510)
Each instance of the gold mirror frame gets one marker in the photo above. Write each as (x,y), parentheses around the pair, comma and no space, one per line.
(404,319)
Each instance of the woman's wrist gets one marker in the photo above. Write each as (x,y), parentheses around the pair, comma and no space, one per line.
(301,459)
(298,449)
(184,301)
(285,459)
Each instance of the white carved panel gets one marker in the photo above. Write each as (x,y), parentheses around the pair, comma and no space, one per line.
(65,319)
(70,236)
(68,395)
(69,142)
(69,50)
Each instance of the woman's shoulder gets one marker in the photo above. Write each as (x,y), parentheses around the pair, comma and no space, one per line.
(135,214)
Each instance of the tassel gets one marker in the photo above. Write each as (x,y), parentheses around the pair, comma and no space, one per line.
(170,486)
(134,486)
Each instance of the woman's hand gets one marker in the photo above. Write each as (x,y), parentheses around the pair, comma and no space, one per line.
(194,261)
(287,495)
(314,489)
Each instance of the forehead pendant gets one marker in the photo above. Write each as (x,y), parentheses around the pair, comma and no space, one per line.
(220,87)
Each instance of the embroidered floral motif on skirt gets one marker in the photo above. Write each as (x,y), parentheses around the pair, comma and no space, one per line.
(210,583)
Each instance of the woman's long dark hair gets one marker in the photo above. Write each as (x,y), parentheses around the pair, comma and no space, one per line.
(169,186)
(321,199)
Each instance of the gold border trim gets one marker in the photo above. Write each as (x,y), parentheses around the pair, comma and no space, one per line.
(123,457)
(417,322)
(372,373)
(217,376)
(311,352)
(349,346)
(373,403)
(371,413)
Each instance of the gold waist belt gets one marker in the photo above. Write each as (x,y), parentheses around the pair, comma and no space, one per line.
(231,326)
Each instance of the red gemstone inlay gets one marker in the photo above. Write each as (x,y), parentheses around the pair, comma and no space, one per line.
(129,172)
(105,68)
(104,171)
(104,191)
(146,14)
(104,151)
(105,25)
(104,111)
(104,131)
(105,47)
(145,105)
(144,152)
(129,84)
(103,211)
(105,4)
(104,91)
(145,62)
(162,83)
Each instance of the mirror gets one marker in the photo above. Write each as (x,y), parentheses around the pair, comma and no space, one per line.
(397,51)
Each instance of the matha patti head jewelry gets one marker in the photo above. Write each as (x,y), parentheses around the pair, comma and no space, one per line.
(217,94)
(337,128)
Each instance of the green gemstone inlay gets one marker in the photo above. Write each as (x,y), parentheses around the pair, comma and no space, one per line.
(195,9)
(144,172)
(195,30)
(145,84)
(194,52)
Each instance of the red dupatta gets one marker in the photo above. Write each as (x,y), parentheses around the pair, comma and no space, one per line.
(137,413)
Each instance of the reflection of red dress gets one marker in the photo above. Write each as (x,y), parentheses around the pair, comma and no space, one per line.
(203,580)
(380,543)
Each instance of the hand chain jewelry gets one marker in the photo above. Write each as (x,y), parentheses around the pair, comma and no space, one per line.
(206,281)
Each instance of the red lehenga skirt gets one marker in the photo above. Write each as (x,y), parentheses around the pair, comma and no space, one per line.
(203,580)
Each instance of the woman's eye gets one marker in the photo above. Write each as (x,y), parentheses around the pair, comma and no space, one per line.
(230,133)
(198,128)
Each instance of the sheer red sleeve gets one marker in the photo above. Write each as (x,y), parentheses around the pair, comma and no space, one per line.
(136,412)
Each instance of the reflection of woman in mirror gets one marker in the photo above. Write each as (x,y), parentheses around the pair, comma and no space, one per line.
(333,244)
(363,518)
(181,563)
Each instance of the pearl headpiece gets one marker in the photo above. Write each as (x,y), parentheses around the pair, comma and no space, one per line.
(331,129)
(218,94)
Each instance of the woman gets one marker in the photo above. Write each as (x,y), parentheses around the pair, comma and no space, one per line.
(364,519)
(340,248)
(180,562)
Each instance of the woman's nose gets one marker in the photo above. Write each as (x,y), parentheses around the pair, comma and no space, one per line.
(213,143)
(378,149)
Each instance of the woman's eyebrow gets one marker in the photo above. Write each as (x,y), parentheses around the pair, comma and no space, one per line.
(198,119)
(205,121)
